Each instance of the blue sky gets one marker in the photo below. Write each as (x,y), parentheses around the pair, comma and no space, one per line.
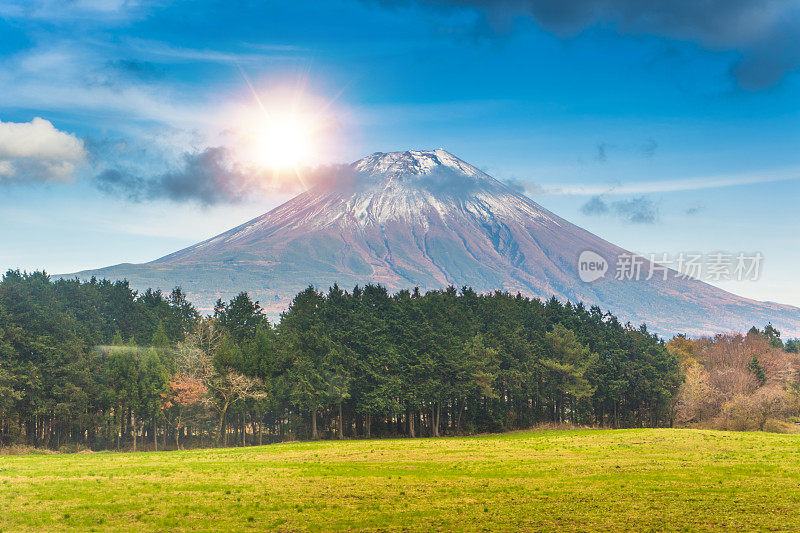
(687,114)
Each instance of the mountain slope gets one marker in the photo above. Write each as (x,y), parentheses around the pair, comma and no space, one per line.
(428,219)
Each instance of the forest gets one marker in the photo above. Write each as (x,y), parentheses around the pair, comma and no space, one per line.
(96,365)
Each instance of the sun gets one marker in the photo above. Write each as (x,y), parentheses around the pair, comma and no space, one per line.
(284,140)
(281,134)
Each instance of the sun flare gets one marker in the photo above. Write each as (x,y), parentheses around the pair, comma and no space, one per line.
(282,133)
(285,140)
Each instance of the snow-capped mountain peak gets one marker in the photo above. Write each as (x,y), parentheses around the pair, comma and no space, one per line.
(420,187)
(415,163)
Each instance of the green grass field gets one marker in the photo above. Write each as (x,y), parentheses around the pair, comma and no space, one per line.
(662,479)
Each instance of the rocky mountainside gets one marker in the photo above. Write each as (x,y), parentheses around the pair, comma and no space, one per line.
(428,219)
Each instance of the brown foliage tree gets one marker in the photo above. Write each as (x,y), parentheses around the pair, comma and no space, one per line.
(735,381)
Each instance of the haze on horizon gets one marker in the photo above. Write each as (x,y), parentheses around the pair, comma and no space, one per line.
(130,129)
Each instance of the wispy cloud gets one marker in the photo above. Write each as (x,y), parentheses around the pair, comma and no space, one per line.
(69,75)
(675,185)
(70,10)
(169,53)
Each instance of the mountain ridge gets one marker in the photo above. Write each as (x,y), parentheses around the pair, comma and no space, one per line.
(426,218)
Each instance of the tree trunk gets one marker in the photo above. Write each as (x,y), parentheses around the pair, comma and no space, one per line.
(219,426)
(155,435)
(314,434)
(369,425)
(340,423)
(133,424)
(436,419)
(411,423)
(126,428)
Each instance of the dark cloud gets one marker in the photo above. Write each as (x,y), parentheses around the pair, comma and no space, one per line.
(211,177)
(116,182)
(639,210)
(595,206)
(649,148)
(602,152)
(207,177)
(136,69)
(694,209)
(764,32)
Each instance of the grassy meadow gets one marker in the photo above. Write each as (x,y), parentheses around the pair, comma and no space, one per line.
(644,479)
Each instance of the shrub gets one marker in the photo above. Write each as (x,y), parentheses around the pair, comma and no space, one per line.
(22,449)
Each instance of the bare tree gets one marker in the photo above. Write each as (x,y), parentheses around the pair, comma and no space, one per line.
(226,389)
(199,380)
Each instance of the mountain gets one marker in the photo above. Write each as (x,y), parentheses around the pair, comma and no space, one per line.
(428,219)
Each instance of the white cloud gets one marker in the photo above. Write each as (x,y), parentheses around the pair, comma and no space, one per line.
(6,169)
(37,151)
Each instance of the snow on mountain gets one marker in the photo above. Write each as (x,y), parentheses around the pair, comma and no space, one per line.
(428,219)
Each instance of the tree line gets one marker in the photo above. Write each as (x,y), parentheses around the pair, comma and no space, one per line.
(99,365)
